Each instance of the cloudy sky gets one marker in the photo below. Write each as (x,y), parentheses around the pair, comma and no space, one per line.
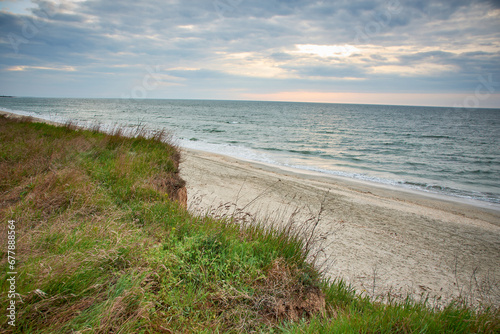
(430,52)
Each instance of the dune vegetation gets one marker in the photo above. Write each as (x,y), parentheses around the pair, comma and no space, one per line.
(104,244)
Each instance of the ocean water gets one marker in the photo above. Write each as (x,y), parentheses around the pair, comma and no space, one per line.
(448,151)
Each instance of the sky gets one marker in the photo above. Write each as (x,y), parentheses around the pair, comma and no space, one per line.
(429,52)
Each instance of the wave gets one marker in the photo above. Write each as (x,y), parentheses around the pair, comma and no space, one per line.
(272,149)
(477,172)
(449,191)
(436,137)
(213,130)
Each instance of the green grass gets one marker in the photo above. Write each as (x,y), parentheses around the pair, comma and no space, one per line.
(103,247)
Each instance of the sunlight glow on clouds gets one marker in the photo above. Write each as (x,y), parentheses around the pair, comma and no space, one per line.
(416,70)
(325,51)
(27,68)
(248,64)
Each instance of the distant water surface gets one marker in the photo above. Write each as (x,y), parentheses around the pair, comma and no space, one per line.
(448,151)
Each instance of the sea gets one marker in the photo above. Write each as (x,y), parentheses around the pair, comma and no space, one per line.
(453,152)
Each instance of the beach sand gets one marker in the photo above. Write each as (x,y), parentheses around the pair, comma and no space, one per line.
(381,240)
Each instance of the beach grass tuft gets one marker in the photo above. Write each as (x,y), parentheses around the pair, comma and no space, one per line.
(104,246)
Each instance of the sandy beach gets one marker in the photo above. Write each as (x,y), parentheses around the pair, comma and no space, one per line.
(379,239)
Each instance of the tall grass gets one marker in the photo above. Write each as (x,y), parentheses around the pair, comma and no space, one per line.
(103,247)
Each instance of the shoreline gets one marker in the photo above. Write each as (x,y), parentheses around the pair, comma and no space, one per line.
(380,239)
(38,119)
(467,207)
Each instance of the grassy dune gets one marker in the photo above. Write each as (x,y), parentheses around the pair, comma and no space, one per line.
(104,247)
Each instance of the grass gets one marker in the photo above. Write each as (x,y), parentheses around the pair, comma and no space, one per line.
(104,247)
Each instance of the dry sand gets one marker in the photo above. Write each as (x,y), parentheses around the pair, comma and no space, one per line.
(378,239)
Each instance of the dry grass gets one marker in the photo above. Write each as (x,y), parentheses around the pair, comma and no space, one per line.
(74,246)
(280,295)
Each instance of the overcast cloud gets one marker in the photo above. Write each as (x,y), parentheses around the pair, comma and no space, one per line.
(439,52)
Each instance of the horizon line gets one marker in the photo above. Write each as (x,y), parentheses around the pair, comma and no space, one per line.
(246,100)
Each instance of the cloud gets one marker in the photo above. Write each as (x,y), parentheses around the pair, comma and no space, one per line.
(325,51)
(247,47)
(27,68)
